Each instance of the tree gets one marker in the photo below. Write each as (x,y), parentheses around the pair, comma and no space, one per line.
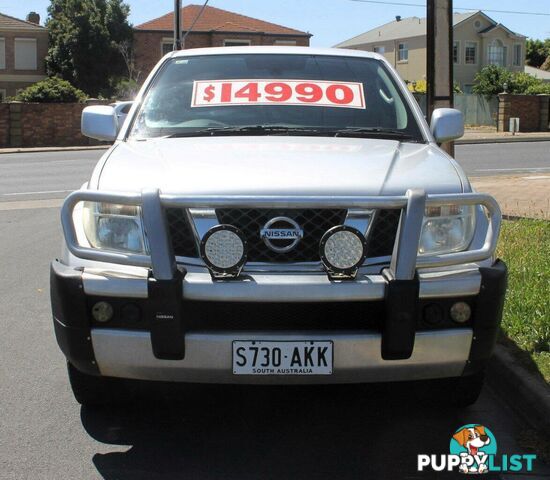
(84,35)
(492,80)
(537,52)
(51,90)
(126,50)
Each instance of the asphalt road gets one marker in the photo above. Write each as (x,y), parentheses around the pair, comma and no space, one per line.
(504,158)
(345,432)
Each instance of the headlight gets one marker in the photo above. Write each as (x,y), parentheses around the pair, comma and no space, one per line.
(447,229)
(111,226)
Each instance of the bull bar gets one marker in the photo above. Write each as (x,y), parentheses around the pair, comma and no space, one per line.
(161,259)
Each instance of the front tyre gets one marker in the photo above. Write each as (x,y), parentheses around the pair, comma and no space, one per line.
(91,390)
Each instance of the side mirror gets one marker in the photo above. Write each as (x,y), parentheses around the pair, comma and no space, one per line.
(447,124)
(121,111)
(100,122)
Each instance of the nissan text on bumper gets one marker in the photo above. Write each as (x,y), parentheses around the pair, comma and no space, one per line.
(288,219)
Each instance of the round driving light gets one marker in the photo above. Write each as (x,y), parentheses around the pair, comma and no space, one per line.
(342,250)
(461,312)
(223,249)
(102,312)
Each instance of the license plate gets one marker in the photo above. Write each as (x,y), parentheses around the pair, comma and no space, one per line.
(282,357)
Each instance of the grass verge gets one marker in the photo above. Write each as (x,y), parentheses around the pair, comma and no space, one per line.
(525,247)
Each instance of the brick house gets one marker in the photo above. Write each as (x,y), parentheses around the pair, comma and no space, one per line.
(214,28)
(23,48)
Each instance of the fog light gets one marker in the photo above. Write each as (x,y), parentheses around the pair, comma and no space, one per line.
(433,314)
(102,312)
(343,250)
(461,312)
(223,249)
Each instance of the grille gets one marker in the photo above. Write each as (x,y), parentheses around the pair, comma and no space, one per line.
(383,233)
(314,223)
(183,239)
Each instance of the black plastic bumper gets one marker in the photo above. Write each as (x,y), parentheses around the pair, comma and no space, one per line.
(401,314)
(487,315)
(70,317)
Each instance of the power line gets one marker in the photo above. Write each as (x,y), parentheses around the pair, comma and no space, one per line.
(195,21)
(402,4)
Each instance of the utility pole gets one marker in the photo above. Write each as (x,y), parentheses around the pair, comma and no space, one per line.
(440,58)
(177,24)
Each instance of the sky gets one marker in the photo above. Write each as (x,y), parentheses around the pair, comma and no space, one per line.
(330,21)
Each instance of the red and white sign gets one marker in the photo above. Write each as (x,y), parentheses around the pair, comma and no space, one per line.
(318,93)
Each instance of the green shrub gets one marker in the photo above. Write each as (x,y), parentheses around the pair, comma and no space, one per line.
(125,89)
(51,90)
(522,82)
(421,86)
(492,79)
(542,88)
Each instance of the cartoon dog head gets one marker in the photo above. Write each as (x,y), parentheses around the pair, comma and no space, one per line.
(472,438)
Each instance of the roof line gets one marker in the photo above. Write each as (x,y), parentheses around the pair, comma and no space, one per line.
(297,32)
(23,21)
(251,18)
(503,27)
(368,31)
(473,12)
(235,32)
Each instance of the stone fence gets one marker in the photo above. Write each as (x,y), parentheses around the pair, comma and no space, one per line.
(42,124)
(533,112)
(58,124)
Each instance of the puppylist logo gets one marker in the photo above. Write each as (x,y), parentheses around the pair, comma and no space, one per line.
(473,450)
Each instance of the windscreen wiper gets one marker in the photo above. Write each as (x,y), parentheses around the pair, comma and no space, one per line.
(248,130)
(378,132)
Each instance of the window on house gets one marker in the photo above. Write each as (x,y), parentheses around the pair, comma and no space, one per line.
(380,50)
(403,55)
(456,52)
(470,53)
(25,54)
(288,43)
(518,57)
(166,47)
(236,43)
(496,54)
(2,53)
(2,95)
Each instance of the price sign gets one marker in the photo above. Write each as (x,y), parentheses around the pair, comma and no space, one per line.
(318,93)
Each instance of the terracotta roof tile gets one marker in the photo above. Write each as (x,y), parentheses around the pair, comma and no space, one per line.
(216,19)
(12,23)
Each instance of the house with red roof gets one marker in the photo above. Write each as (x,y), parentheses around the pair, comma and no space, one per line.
(211,27)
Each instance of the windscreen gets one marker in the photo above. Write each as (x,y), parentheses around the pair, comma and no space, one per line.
(298,92)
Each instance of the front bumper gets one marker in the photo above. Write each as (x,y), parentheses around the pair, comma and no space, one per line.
(126,351)
(127,354)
